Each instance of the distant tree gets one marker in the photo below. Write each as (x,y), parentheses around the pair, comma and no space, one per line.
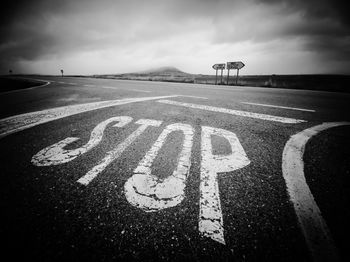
(62,72)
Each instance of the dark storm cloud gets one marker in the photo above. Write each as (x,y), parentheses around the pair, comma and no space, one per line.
(45,29)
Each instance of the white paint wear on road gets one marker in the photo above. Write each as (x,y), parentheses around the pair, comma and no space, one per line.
(21,122)
(284,120)
(56,154)
(115,153)
(151,193)
(210,214)
(283,107)
(314,228)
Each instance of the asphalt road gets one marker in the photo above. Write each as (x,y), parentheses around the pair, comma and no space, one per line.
(172,171)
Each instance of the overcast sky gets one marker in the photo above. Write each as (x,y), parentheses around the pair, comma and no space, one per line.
(114,36)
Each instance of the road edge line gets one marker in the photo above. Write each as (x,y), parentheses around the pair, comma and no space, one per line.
(315,230)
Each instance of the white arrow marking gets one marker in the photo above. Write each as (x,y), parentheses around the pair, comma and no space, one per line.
(56,154)
(210,214)
(313,226)
(151,193)
(234,112)
(115,153)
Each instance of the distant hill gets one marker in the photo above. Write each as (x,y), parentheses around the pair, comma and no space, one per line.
(166,70)
(339,83)
(167,74)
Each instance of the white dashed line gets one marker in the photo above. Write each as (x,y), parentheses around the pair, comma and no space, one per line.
(30,88)
(199,97)
(283,107)
(284,120)
(313,226)
(110,87)
(18,123)
(137,90)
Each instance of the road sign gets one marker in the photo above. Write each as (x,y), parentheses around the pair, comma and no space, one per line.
(219,66)
(235,65)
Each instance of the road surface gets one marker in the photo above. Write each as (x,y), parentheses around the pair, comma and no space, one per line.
(105,170)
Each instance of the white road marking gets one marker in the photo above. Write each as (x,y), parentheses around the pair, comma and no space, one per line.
(30,88)
(199,97)
(313,226)
(56,154)
(128,89)
(284,120)
(110,87)
(61,82)
(90,85)
(137,90)
(18,123)
(234,88)
(210,214)
(151,193)
(283,107)
(115,153)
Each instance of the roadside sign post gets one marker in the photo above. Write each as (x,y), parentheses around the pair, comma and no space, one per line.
(228,74)
(217,67)
(234,65)
(221,76)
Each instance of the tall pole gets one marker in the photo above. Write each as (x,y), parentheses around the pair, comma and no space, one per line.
(228,74)
(221,76)
(216,76)
(237,77)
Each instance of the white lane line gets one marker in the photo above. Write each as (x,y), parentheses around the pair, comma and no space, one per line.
(115,153)
(283,107)
(151,193)
(56,154)
(137,90)
(129,89)
(71,83)
(90,85)
(30,88)
(235,112)
(110,87)
(18,123)
(220,88)
(314,228)
(61,82)
(210,214)
(199,97)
